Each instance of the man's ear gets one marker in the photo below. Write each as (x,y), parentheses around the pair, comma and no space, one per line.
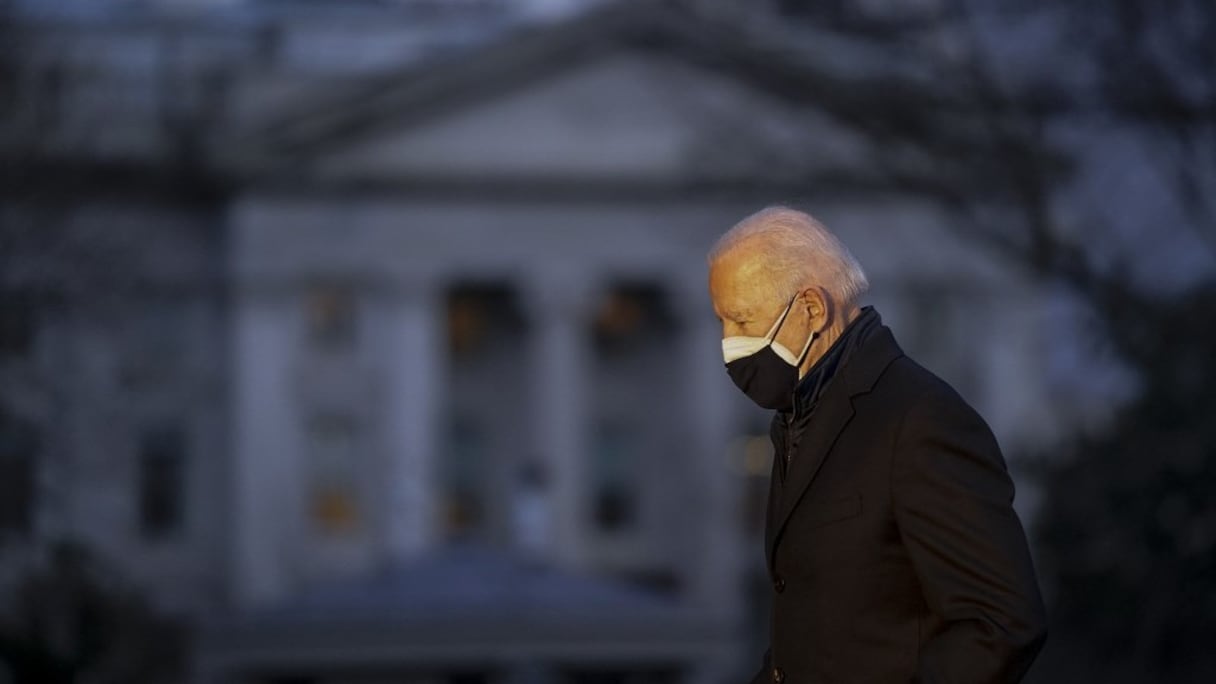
(818,307)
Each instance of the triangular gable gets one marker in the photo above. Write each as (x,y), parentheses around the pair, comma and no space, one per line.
(629,115)
(633,92)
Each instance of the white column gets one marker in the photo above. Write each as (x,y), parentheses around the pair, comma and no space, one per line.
(413,357)
(714,569)
(265,464)
(560,347)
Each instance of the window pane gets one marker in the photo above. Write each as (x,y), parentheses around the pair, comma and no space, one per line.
(333,504)
(614,494)
(629,316)
(462,473)
(480,315)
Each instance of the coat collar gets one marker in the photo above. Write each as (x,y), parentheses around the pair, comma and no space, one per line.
(833,412)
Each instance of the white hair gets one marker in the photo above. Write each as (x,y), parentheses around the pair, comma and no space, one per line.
(797,251)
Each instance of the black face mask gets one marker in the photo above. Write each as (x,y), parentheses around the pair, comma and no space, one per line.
(764,369)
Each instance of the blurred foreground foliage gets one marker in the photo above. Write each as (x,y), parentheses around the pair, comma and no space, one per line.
(73,621)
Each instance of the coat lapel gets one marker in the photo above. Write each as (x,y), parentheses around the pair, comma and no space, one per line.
(831,416)
(774,500)
(834,412)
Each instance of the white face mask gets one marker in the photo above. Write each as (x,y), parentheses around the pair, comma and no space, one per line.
(740,346)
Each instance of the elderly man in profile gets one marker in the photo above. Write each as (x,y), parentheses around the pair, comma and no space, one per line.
(892,545)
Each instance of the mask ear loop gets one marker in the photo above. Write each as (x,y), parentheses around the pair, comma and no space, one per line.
(772,332)
(810,340)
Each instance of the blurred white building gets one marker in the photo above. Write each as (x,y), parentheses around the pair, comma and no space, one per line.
(419,314)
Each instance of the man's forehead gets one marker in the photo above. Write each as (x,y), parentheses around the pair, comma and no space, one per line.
(739,300)
(747,277)
(739,283)
(746,267)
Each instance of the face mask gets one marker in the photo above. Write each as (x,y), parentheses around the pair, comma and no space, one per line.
(763,368)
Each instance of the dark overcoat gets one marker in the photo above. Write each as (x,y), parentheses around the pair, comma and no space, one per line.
(892,545)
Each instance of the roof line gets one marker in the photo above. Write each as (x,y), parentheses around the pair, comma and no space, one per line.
(422,91)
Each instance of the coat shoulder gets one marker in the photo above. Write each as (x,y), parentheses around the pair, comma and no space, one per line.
(908,382)
(924,400)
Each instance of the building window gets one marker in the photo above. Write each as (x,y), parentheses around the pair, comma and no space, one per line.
(18,456)
(463,477)
(480,315)
(16,323)
(628,317)
(333,500)
(614,490)
(331,317)
(162,481)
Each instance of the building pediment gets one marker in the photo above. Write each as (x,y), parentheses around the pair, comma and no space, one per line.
(627,116)
(587,102)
